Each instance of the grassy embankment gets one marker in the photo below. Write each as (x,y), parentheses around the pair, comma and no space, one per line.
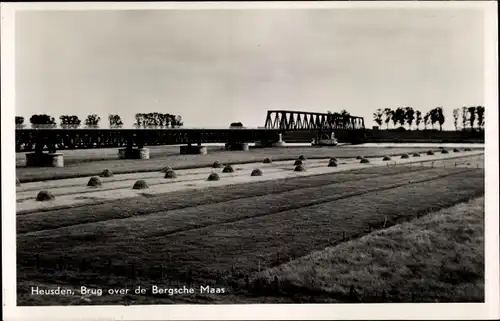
(437,258)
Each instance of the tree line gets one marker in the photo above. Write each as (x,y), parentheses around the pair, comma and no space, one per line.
(405,117)
(143,120)
(156,120)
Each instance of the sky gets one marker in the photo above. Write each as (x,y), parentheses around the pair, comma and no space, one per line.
(214,67)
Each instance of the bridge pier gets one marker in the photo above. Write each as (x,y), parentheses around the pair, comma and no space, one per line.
(193,150)
(133,153)
(237,146)
(41,159)
(280,142)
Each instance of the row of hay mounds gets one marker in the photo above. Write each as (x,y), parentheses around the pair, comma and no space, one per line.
(94,182)
(364,160)
(106,173)
(332,162)
(44,196)
(299,168)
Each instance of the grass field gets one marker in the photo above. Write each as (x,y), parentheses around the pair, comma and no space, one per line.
(439,257)
(85,163)
(226,234)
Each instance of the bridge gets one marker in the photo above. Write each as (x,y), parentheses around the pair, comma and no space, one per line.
(301,120)
(131,142)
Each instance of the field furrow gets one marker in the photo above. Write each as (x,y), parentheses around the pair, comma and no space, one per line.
(120,209)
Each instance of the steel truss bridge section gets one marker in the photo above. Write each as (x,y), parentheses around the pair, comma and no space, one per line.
(301,120)
(60,139)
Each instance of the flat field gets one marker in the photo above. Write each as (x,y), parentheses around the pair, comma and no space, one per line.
(81,163)
(227,236)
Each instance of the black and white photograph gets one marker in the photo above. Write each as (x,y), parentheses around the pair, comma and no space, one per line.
(278,155)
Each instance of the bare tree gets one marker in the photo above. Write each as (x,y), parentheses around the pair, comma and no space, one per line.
(464,117)
(456,115)
(472,117)
(480,116)
(377,117)
(418,119)
(388,116)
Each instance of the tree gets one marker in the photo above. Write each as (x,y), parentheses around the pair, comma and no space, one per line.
(19,122)
(69,121)
(346,117)
(409,115)
(472,116)
(456,115)
(399,116)
(92,121)
(464,117)
(115,121)
(440,117)
(433,116)
(480,116)
(42,121)
(426,119)
(138,120)
(388,116)
(178,122)
(377,117)
(418,119)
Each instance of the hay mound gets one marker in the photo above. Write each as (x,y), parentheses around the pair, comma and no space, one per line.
(364,161)
(140,184)
(444,151)
(166,169)
(217,164)
(405,156)
(18,182)
(106,173)
(386,158)
(44,196)
(213,177)
(430,152)
(228,169)
(267,161)
(456,150)
(299,168)
(170,174)
(302,158)
(94,182)
(298,162)
(333,158)
(416,155)
(467,149)
(332,163)
(256,172)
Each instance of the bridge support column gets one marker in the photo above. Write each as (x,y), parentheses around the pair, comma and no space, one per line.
(193,150)
(280,142)
(237,146)
(37,159)
(133,153)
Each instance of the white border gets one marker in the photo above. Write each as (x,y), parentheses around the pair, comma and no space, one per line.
(488,310)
